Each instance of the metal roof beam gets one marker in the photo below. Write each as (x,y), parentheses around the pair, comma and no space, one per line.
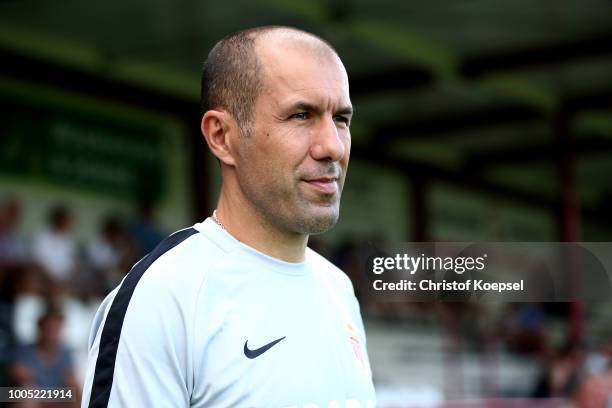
(412,76)
(535,153)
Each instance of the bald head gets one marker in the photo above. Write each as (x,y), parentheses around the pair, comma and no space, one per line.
(234,72)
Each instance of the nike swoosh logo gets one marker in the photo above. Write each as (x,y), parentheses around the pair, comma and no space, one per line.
(258,352)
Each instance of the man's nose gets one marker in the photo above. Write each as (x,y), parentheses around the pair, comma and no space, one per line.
(327,143)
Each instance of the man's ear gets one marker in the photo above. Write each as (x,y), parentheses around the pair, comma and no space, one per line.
(218,127)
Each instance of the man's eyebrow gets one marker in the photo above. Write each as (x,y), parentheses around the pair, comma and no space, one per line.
(306,106)
(346,110)
(303,106)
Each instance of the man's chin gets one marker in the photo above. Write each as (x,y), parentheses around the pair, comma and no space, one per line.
(320,220)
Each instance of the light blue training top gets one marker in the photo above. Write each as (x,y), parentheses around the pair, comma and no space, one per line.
(206,321)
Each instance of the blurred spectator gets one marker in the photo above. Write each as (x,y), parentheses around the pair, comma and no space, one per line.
(109,257)
(54,248)
(47,362)
(12,249)
(598,361)
(562,374)
(524,328)
(596,391)
(12,265)
(144,231)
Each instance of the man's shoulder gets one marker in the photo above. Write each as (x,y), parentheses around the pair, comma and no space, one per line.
(337,275)
(317,258)
(165,282)
(174,270)
(190,250)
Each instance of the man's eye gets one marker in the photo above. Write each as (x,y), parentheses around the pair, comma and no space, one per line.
(300,115)
(342,119)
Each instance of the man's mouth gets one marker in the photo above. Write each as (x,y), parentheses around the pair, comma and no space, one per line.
(327,185)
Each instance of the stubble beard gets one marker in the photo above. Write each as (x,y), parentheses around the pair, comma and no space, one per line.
(292,212)
(318,223)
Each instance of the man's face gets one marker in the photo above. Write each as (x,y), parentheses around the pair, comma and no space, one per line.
(292,166)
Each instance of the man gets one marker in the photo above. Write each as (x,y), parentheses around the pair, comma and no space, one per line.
(55,248)
(47,362)
(237,311)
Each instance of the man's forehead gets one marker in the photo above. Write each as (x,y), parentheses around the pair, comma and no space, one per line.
(297,67)
(300,70)
(286,96)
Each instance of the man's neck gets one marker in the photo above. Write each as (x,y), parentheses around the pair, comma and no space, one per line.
(251,228)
